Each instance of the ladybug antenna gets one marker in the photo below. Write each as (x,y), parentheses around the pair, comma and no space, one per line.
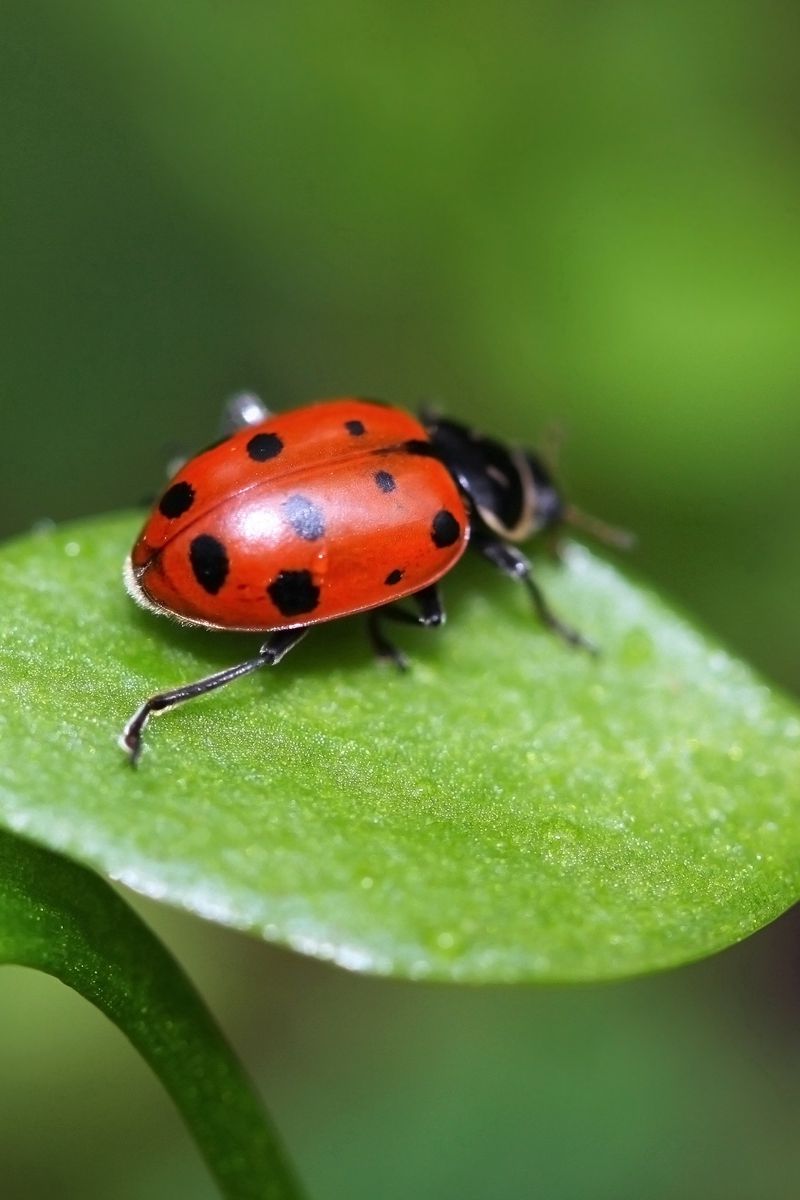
(609,535)
(551,444)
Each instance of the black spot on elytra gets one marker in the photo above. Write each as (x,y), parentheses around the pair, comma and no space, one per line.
(209,562)
(355,428)
(293,593)
(394,577)
(445,529)
(385,481)
(305,517)
(263,446)
(176,500)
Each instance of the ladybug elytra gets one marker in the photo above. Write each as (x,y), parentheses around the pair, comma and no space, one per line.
(340,507)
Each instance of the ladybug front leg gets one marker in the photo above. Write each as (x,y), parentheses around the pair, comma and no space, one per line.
(513,563)
(242,410)
(430,615)
(269,655)
(239,411)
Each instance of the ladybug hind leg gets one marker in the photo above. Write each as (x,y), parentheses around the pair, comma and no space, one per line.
(431,615)
(513,563)
(269,655)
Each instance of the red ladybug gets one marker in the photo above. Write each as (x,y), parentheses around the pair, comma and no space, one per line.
(340,507)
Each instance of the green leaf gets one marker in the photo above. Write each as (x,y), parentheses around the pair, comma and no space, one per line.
(508,810)
(62,919)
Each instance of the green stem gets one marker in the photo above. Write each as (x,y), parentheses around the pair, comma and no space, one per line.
(60,918)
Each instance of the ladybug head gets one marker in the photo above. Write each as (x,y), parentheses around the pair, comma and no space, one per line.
(511,492)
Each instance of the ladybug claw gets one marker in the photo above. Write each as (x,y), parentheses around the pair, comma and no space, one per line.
(130,740)
(395,658)
(582,643)
(131,744)
(385,651)
(569,635)
(388,655)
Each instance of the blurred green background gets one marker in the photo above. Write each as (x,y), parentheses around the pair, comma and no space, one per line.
(573,216)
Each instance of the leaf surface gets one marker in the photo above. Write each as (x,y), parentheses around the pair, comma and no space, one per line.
(509,809)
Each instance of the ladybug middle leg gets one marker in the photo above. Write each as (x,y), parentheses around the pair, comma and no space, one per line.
(270,654)
(431,614)
(513,563)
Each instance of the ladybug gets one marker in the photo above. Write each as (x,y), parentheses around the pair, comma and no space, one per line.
(340,507)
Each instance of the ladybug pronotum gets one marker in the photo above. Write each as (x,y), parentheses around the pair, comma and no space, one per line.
(340,507)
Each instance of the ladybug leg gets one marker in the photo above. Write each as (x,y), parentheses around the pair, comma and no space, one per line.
(269,655)
(238,411)
(511,562)
(241,410)
(430,615)
(385,650)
